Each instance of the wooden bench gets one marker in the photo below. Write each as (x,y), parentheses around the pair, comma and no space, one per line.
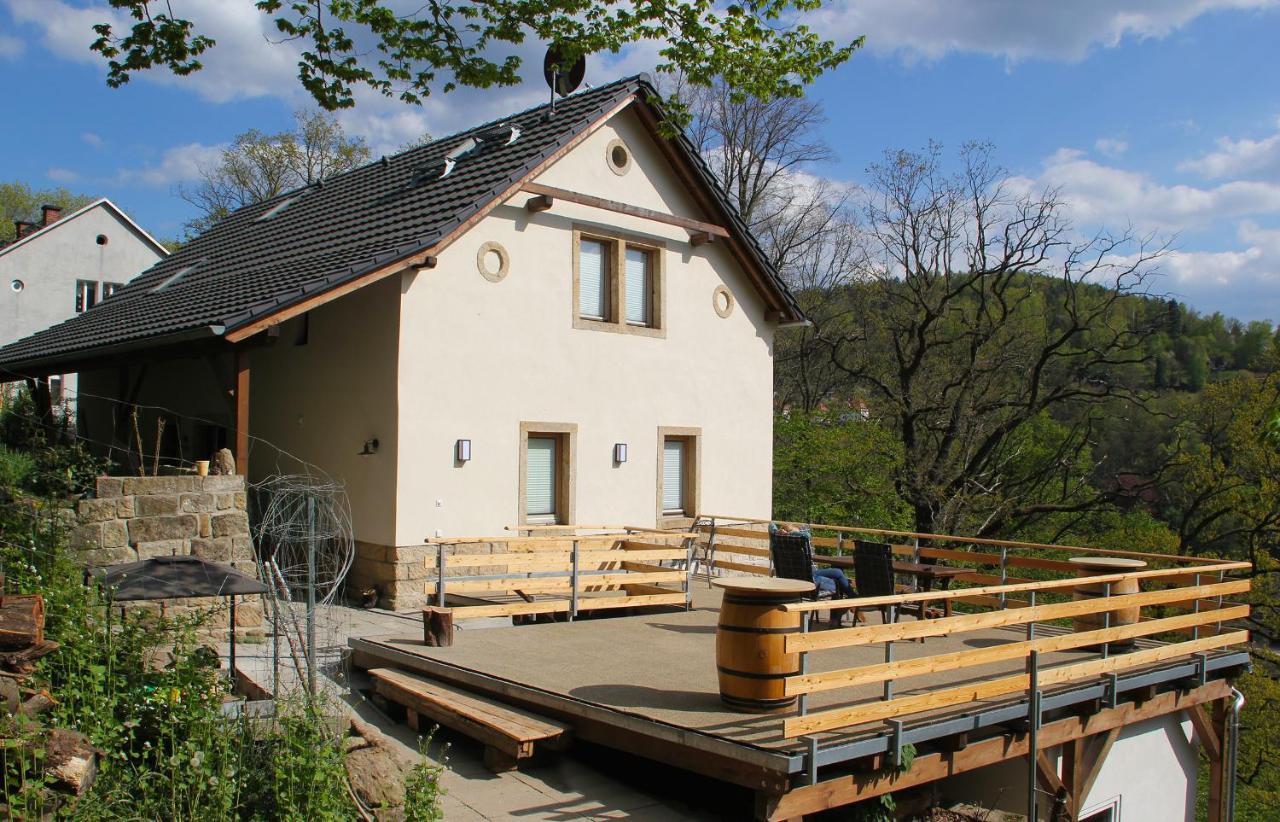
(508,734)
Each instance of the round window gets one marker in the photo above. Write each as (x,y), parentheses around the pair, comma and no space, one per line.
(618,157)
(722,301)
(101,240)
(492,262)
(16,286)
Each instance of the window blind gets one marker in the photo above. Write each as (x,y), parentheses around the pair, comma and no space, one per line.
(637,285)
(593,291)
(673,476)
(540,478)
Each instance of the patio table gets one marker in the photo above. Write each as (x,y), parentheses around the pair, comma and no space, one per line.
(926,574)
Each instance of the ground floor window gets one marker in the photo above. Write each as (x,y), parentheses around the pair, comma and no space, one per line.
(678,473)
(546,473)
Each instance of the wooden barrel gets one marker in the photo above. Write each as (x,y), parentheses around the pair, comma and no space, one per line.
(750,656)
(1100,566)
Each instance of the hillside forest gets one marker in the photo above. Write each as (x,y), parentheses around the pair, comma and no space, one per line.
(976,364)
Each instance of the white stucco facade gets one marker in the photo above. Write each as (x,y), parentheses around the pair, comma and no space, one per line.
(38,274)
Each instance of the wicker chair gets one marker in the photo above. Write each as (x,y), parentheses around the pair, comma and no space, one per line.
(873,575)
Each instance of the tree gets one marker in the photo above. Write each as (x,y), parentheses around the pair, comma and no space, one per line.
(978,320)
(19,201)
(258,166)
(757,48)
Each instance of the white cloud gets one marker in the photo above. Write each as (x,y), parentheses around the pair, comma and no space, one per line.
(1243,283)
(176,165)
(242,64)
(62,175)
(1104,195)
(1012,29)
(1237,158)
(1111,147)
(91,139)
(11,46)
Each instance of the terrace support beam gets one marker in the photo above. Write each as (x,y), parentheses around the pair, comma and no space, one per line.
(846,789)
(1218,775)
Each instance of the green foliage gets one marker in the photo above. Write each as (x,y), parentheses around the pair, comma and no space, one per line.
(758,49)
(55,463)
(422,788)
(150,697)
(836,468)
(1258,768)
(16,467)
(19,201)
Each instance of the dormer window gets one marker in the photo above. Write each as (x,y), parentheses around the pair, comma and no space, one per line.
(86,295)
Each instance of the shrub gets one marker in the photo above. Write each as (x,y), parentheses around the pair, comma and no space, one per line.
(16,468)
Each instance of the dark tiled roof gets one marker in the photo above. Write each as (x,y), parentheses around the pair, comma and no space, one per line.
(249,265)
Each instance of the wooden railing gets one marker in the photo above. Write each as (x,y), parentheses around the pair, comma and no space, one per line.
(552,570)
(1183,603)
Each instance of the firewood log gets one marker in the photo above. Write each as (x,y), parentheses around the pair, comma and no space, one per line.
(71,762)
(21,621)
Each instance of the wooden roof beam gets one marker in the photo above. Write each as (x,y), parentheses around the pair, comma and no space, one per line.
(547,195)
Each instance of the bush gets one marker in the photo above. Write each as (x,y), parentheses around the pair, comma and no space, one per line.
(16,468)
(169,750)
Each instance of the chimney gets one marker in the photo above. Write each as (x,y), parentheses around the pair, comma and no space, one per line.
(50,214)
(22,228)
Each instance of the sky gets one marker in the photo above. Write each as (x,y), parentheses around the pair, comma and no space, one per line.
(1160,115)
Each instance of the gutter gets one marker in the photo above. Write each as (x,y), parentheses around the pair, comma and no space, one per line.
(1233,751)
(804,323)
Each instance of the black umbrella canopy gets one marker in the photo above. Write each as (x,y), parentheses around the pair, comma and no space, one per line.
(174,578)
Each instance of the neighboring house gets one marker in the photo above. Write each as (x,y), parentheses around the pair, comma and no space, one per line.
(556,317)
(66,265)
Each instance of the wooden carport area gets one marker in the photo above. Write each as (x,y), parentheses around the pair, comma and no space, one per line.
(133,370)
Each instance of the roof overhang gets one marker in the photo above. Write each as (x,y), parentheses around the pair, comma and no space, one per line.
(199,340)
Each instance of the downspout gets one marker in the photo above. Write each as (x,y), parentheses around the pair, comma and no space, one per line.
(1233,751)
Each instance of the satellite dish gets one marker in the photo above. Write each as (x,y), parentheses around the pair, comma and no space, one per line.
(562,81)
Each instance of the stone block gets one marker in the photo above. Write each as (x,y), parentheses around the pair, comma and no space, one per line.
(87,536)
(188,484)
(214,550)
(151,529)
(162,548)
(125,507)
(234,524)
(240,500)
(223,484)
(115,534)
(202,503)
(224,502)
(96,510)
(136,486)
(206,527)
(107,487)
(155,506)
(248,614)
(241,549)
(109,556)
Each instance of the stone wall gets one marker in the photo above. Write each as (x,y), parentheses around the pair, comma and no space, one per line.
(135,518)
(401,576)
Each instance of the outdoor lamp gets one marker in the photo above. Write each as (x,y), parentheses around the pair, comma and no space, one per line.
(462,450)
(370,448)
(620,452)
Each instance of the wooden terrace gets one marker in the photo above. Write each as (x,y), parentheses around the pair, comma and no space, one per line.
(1013,673)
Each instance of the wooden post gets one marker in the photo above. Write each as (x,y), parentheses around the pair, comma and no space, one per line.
(1217,770)
(437,627)
(242,412)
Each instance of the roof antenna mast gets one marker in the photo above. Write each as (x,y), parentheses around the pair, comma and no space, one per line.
(562,82)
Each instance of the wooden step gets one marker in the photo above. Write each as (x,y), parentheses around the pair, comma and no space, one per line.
(508,733)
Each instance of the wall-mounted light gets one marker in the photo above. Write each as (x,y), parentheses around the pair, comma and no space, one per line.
(370,448)
(462,450)
(620,452)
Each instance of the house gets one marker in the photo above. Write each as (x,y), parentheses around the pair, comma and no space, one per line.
(556,317)
(64,266)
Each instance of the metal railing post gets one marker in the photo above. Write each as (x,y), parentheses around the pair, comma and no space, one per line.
(803,701)
(888,656)
(839,543)
(573,584)
(440,575)
(915,549)
(690,545)
(1033,730)
(1195,609)
(1106,624)
(1004,575)
(1217,626)
(710,557)
(1031,626)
